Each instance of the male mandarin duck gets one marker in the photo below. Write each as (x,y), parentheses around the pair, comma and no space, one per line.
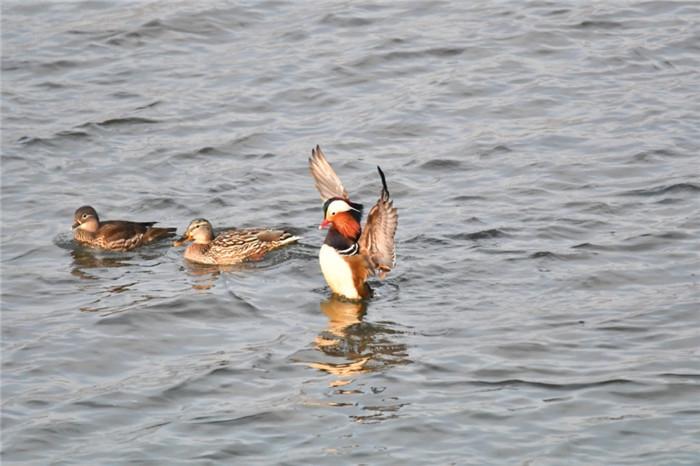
(115,235)
(350,255)
(230,246)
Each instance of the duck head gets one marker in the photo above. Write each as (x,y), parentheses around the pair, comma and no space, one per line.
(343,216)
(85,218)
(199,230)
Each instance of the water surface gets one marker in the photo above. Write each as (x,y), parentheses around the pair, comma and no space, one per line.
(544,160)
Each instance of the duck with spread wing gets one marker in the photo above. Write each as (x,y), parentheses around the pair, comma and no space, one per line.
(350,254)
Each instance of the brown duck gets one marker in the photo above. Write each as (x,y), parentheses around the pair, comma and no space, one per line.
(115,235)
(230,246)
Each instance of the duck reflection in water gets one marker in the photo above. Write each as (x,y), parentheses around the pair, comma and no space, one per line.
(105,298)
(87,259)
(350,349)
(355,346)
(202,276)
(205,276)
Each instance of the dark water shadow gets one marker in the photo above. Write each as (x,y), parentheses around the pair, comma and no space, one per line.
(86,258)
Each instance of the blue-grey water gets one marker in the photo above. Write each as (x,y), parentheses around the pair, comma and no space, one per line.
(543,155)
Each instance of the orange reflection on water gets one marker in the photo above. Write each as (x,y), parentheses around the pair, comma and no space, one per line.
(348,349)
(350,346)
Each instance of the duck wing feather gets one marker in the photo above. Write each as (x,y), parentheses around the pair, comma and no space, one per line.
(327,182)
(377,239)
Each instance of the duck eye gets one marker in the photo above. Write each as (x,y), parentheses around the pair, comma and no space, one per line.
(85,215)
(333,214)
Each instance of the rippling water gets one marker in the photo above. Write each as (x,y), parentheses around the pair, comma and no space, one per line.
(544,159)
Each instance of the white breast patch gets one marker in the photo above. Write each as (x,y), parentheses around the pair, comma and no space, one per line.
(337,272)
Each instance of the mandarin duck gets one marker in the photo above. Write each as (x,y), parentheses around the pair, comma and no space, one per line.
(350,254)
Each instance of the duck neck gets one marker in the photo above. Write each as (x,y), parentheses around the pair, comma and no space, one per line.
(342,244)
(197,250)
(83,235)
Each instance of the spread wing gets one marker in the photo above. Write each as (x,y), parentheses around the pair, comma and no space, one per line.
(327,182)
(377,240)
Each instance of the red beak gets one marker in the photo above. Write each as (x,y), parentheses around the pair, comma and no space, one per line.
(324,224)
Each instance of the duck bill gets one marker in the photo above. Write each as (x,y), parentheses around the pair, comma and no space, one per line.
(324,224)
(75,225)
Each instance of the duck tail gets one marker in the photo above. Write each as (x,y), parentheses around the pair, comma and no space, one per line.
(288,238)
(156,233)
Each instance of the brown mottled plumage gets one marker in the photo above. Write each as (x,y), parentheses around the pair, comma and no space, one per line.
(349,254)
(230,246)
(115,235)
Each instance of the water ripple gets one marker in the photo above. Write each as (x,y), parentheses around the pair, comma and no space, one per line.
(542,157)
